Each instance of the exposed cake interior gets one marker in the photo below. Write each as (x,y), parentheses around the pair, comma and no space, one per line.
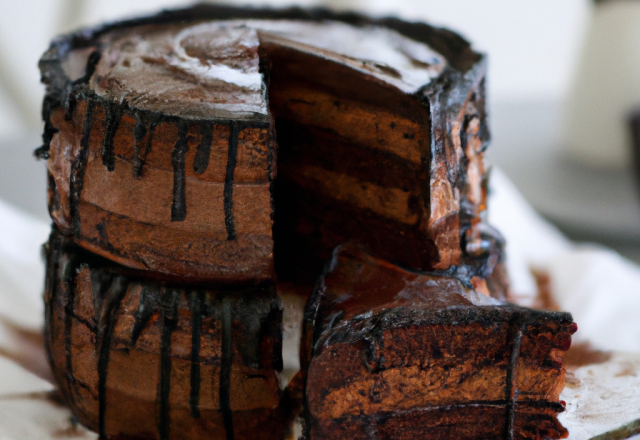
(353,138)
(390,345)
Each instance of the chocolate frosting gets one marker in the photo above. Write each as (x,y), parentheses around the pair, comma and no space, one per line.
(187,62)
(211,69)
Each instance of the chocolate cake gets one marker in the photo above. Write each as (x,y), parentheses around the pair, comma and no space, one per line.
(164,137)
(201,157)
(395,354)
(135,356)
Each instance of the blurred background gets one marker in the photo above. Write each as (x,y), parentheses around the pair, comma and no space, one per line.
(549,66)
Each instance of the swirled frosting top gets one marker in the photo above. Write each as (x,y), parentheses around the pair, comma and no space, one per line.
(212,69)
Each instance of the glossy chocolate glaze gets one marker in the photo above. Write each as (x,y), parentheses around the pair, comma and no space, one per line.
(359,295)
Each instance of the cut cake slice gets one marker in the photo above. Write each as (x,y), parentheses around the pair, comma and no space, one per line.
(393,354)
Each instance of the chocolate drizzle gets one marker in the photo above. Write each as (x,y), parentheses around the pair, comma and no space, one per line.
(179,205)
(517,326)
(232,153)
(139,132)
(42,152)
(79,167)
(68,324)
(225,367)
(108,313)
(113,115)
(92,62)
(55,99)
(146,123)
(153,121)
(197,301)
(201,160)
(51,253)
(170,322)
(143,314)
(70,275)
(130,308)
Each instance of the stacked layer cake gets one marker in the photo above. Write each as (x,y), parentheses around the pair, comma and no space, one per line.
(201,159)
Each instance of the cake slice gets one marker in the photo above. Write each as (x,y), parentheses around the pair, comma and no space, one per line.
(392,353)
(143,358)
(228,143)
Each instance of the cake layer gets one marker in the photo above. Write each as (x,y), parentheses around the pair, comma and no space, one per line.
(152,201)
(134,356)
(461,422)
(162,148)
(381,339)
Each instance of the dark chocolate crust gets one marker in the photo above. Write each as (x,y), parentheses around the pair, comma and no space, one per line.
(138,357)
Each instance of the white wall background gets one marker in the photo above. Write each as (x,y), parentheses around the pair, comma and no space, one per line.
(532,44)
